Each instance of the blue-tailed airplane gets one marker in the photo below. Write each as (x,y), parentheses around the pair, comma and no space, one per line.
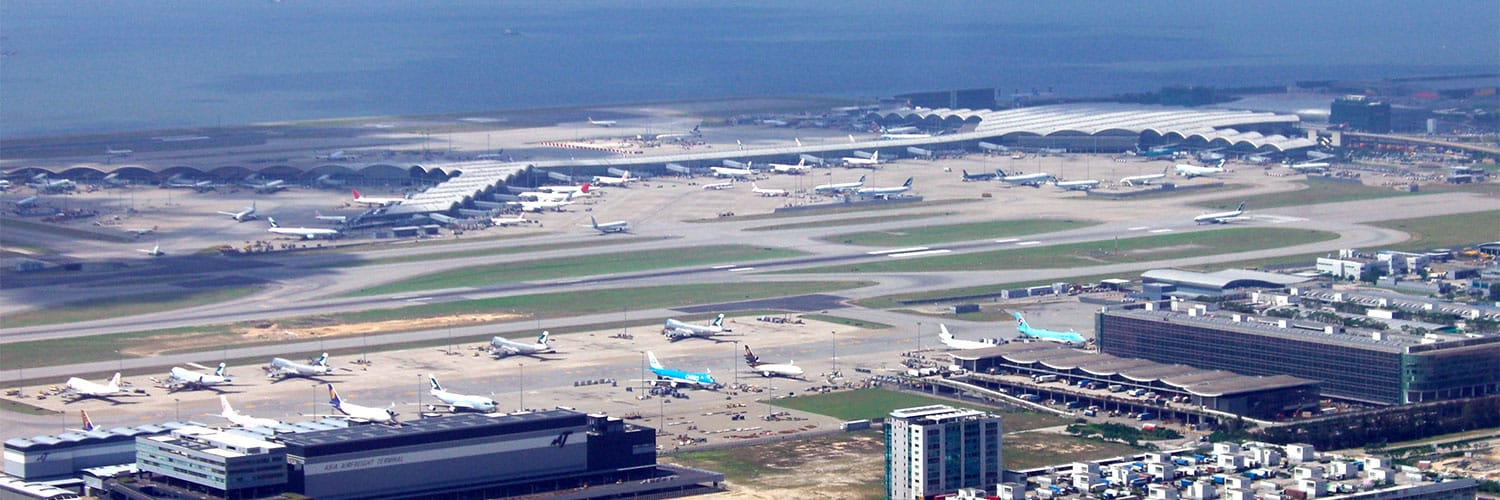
(1070,338)
(703,380)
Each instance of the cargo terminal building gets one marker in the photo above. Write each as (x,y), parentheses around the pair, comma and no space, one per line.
(1372,367)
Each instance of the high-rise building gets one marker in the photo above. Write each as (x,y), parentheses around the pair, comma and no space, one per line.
(1361,113)
(932,450)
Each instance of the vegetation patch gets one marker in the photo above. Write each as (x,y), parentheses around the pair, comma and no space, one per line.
(115,307)
(1444,231)
(486,251)
(926,235)
(849,221)
(835,208)
(840,320)
(1035,449)
(1316,191)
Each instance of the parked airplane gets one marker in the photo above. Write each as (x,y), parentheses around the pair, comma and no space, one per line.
(45,185)
(675,378)
(371,200)
(982,176)
(184,379)
(460,402)
(892,137)
(1033,180)
(241,419)
(1309,167)
(884,192)
(1070,337)
(1144,180)
(678,330)
(1220,217)
(1167,151)
(618,226)
(956,343)
(117,152)
(501,347)
(840,187)
(538,206)
(269,186)
(139,232)
(602,123)
(243,215)
(340,155)
(79,388)
(27,201)
(510,221)
(579,190)
(181,182)
(719,186)
(621,181)
(789,370)
(356,412)
(281,368)
(800,168)
(767,192)
(336,219)
(1191,171)
(855,161)
(306,233)
(154,251)
(1077,185)
(732,172)
(88,423)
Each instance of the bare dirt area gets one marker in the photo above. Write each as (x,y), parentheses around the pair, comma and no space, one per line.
(842,466)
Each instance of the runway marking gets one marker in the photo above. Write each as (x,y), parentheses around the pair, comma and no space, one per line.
(1008,240)
(1277,219)
(896,250)
(918,253)
(726,266)
(738,269)
(1137,228)
(1163,230)
(1028,243)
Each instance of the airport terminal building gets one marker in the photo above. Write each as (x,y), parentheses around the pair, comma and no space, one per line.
(1372,367)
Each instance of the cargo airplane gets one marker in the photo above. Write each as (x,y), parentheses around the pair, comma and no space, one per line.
(460,402)
(1070,337)
(789,369)
(184,379)
(675,377)
(281,368)
(353,411)
(956,343)
(501,347)
(1191,171)
(677,330)
(78,388)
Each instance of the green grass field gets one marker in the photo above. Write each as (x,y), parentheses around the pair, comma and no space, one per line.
(840,320)
(123,306)
(491,251)
(1445,231)
(834,209)
(849,221)
(84,234)
(1317,191)
(927,235)
(1027,451)
(588,265)
(1126,250)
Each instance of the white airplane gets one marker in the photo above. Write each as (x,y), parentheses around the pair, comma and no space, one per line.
(618,226)
(719,186)
(181,182)
(269,186)
(43,184)
(884,192)
(356,412)
(243,215)
(27,201)
(840,187)
(336,219)
(281,368)
(241,419)
(621,181)
(800,168)
(306,233)
(789,369)
(768,192)
(579,190)
(538,206)
(1309,167)
(891,137)
(510,221)
(457,402)
(117,152)
(79,388)
(1144,180)
(1077,185)
(675,377)
(154,251)
(732,172)
(1220,217)
(676,330)
(370,200)
(341,155)
(547,195)
(855,161)
(1033,180)
(182,378)
(1191,171)
(602,123)
(956,343)
(501,347)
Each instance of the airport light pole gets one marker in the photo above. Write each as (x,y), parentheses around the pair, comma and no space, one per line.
(919,336)
(835,353)
(419,395)
(177,409)
(521,372)
(736,362)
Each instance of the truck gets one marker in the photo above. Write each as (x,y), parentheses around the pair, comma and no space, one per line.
(1073,404)
(1145,415)
(1089,413)
(1031,397)
(1083,382)
(1042,379)
(1138,392)
(1116,388)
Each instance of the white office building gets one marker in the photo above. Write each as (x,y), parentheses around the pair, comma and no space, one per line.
(932,450)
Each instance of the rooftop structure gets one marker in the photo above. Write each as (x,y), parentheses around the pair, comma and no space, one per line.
(938,448)
(1218,282)
(63,455)
(226,463)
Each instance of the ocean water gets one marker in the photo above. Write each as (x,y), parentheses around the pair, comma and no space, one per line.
(82,67)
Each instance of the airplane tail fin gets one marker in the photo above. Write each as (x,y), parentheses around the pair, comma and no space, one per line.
(861,179)
(333,397)
(907,183)
(875,156)
(750,357)
(719,321)
(322,361)
(1241,207)
(943,332)
(273,221)
(595,221)
(220,371)
(88,425)
(585,189)
(435,385)
(1021,323)
(543,338)
(115,381)
(651,358)
(224,408)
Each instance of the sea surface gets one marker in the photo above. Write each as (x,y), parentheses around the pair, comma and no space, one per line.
(104,66)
